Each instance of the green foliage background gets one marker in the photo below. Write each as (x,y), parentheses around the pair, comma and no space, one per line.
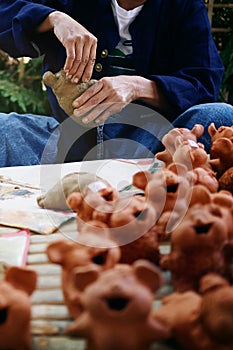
(20,86)
(20,82)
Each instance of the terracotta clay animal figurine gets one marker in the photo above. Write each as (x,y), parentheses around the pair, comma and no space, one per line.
(199,245)
(170,138)
(221,158)
(222,131)
(201,322)
(117,306)
(97,194)
(88,250)
(131,226)
(56,197)
(191,155)
(66,92)
(15,308)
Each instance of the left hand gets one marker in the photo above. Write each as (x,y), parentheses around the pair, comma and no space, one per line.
(105,98)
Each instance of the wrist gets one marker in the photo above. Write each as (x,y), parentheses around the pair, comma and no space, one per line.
(49,22)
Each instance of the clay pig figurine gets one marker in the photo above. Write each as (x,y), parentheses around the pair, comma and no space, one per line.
(66,92)
(117,306)
(89,250)
(201,322)
(15,308)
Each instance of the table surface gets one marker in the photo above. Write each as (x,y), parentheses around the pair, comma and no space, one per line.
(49,314)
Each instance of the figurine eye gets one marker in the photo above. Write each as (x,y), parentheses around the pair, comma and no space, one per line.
(202,229)
(100,259)
(117,304)
(3,315)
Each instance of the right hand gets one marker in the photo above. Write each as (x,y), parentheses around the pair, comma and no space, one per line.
(79,43)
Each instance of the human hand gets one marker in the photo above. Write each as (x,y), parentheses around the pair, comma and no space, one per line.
(79,43)
(106,97)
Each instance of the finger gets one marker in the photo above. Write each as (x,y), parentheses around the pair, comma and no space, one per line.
(90,65)
(84,60)
(90,97)
(95,113)
(112,109)
(76,62)
(70,55)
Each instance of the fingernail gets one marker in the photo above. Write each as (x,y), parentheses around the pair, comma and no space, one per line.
(69,76)
(76,80)
(85,120)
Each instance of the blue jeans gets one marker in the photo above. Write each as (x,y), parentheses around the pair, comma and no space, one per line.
(23,138)
(30,139)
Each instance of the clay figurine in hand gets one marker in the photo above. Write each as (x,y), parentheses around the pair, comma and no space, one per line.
(97,194)
(201,322)
(66,92)
(56,197)
(88,250)
(169,141)
(117,308)
(199,245)
(15,308)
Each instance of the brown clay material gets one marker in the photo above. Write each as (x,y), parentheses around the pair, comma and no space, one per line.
(96,195)
(15,308)
(170,138)
(66,92)
(200,244)
(89,250)
(117,308)
(201,322)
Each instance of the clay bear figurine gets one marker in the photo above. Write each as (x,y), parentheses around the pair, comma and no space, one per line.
(199,245)
(15,308)
(56,197)
(169,190)
(131,226)
(117,306)
(221,151)
(201,322)
(66,92)
(98,194)
(89,249)
(170,138)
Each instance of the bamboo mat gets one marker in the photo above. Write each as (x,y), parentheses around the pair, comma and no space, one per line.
(50,316)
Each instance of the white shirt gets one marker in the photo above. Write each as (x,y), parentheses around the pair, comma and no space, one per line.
(123,19)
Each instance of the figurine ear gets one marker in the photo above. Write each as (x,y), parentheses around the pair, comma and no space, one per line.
(200,194)
(212,129)
(74,200)
(141,179)
(148,274)
(22,278)
(57,250)
(197,130)
(178,169)
(82,276)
